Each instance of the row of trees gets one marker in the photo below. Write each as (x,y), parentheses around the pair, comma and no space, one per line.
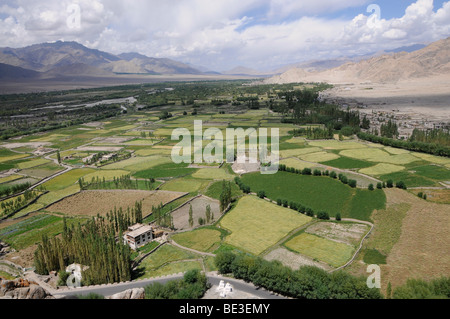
(14,189)
(120,220)
(16,204)
(162,219)
(225,196)
(434,136)
(121,182)
(429,148)
(93,245)
(305,283)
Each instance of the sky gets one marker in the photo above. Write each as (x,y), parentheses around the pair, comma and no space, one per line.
(223,34)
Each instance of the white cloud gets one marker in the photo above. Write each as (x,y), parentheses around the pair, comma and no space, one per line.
(221,33)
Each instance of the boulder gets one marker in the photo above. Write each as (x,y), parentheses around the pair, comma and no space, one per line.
(22,289)
(136,293)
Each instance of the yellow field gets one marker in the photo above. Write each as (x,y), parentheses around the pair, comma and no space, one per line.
(12,157)
(10,178)
(379,155)
(33,163)
(296,163)
(333,253)
(135,164)
(212,173)
(336,145)
(299,151)
(257,224)
(107,174)
(381,169)
(319,157)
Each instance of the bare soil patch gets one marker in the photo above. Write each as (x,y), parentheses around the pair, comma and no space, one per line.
(423,248)
(293,260)
(91,203)
(350,234)
(181,215)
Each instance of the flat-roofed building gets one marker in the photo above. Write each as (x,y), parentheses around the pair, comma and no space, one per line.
(138,235)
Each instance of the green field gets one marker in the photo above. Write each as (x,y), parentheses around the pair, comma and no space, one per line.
(165,170)
(215,189)
(347,163)
(333,253)
(29,231)
(204,239)
(256,224)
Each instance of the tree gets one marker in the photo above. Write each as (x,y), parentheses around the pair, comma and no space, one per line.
(208,214)
(371,188)
(262,194)
(338,217)
(401,185)
(323,215)
(379,185)
(390,183)
(58,156)
(191,218)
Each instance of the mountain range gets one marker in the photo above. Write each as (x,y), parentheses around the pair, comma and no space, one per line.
(71,58)
(391,67)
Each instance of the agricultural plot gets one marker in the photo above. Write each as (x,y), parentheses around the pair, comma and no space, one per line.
(29,231)
(294,260)
(333,253)
(346,233)
(347,163)
(81,204)
(33,163)
(336,145)
(212,173)
(215,189)
(181,215)
(43,171)
(67,179)
(168,260)
(319,157)
(9,178)
(296,163)
(298,151)
(256,224)
(382,169)
(136,164)
(185,184)
(203,239)
(318,193)
(379,156)
(165,170)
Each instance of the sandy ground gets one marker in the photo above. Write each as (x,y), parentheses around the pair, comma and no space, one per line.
(425,98)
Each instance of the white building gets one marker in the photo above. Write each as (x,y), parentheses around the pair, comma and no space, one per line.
(138,235)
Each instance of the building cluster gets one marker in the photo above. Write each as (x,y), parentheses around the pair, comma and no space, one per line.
(406,123)
(92,158)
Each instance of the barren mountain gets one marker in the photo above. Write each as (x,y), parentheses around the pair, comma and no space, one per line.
(431,61)
(72,58)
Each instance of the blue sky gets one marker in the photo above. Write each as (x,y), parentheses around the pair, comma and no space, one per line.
(222,34)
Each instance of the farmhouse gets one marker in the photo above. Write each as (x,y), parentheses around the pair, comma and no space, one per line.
(89,158)
(138,235)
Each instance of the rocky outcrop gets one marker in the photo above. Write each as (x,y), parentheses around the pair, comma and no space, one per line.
(22,289)
(136,293)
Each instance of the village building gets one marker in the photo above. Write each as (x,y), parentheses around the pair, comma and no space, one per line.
(138,235)
(88,159)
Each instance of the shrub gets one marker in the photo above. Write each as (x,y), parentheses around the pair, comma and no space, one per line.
(379,185)
(309,212)
(317,172)
(285,203)
(401,185)
(306,171)
(390,183)
(352,183)
(371,188)
(279,202)
(338,217)
(333,175)
(420,195)
(323,215)
(262,194)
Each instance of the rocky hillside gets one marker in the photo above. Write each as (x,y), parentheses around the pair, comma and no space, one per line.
(71,58)
(433,60)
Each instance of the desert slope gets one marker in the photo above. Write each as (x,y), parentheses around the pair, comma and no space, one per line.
(431,61)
